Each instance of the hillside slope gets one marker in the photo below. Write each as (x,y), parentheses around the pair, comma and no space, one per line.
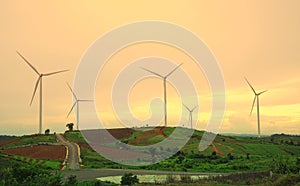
(225,154)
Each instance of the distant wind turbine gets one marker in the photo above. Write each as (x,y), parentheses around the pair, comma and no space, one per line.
(77,104)
(191,114)
(256,98)
(165,87)
(39,82)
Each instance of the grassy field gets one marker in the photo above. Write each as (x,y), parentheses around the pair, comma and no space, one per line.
(30,139)
(234,154)
(5,159)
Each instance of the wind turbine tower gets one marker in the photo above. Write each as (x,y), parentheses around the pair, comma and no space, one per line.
(165,87)
(256,98)
(39,83)
(77,101)
(191,114)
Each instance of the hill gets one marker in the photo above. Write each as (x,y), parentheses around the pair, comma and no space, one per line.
(225,154)
(5,137)
(34,149)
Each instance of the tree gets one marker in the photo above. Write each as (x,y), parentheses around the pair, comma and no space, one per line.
(70,126)
(230,156)
(129,179)
(214,153)
(47,131)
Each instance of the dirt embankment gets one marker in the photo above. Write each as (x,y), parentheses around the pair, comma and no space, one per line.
(44,152)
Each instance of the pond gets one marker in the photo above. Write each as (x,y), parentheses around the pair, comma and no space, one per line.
(156,178)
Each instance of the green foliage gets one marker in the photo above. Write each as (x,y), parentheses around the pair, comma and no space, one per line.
(282,165)
(74,136)
(18,173)
(32,139)
(293,179)
(71,181)
(129,179)
(28,175)
(47,131)
(234,153)
(230,156)
(70,126)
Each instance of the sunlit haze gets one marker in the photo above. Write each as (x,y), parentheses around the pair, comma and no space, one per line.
(255,39)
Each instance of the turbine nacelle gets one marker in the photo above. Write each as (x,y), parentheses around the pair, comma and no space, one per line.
(159,75)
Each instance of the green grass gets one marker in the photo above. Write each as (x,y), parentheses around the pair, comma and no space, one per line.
(52,164)
(5,161)
(33,139)
(74,136)
(262,152)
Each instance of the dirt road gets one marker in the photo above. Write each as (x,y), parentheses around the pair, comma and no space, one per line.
(73,155)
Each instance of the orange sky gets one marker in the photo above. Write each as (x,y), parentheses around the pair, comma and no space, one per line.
(256,39)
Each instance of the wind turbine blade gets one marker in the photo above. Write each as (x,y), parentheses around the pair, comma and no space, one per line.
(71,109)
(86,100)
(253,105)
(35,88)
(186,107)
(28,63)
(250,86)
(173,70)
(49,74)
(262,92)
(194,108)
(72,92)
(152,72)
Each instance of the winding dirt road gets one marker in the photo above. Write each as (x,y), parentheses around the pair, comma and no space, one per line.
(73,155)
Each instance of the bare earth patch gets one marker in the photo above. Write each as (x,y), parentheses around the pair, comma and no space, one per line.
(46,152)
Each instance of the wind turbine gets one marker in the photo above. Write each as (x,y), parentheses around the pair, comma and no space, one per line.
(191,113)
(77,106)
(39,82)
(256,98)
(165,87)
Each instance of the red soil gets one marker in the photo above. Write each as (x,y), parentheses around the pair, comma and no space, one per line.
(155,132)
(46,152)
(216,150)
(120,133)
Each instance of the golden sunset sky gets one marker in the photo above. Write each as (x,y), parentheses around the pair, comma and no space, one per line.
(258,39)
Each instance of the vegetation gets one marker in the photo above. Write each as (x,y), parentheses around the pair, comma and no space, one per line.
(31,139)
(273,160)
(234,154)
(47,131)
(70,126)
(129,179)
(19,173)
(5,137)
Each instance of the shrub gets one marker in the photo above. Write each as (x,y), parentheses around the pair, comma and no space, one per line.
(129,179)
(71,180)
(230,156)
(185,178)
